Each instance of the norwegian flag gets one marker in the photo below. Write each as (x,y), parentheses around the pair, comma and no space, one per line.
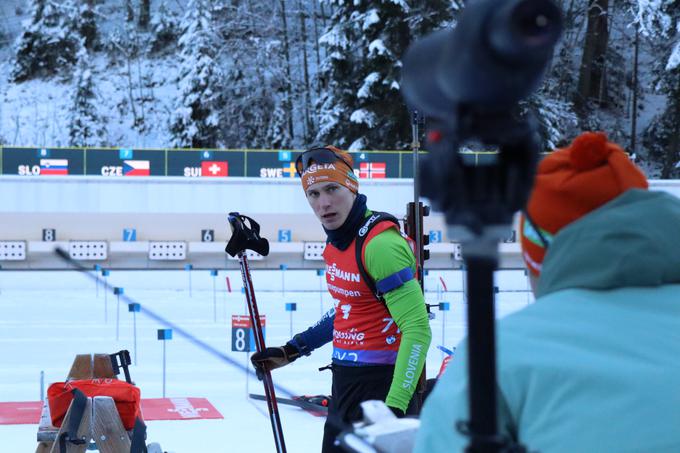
(372,170)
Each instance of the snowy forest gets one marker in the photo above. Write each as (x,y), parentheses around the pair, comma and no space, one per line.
(287,74)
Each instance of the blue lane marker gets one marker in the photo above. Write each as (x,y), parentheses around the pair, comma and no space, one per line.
(171,325)
(446,350)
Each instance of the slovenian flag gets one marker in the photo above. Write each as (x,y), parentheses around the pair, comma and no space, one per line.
(54,166)
(136,168)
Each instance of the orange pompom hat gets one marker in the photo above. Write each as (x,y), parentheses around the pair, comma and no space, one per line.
(571,182)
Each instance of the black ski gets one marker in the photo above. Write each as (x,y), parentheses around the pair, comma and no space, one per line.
(316,405)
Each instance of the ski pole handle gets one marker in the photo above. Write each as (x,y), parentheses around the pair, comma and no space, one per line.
(245,234)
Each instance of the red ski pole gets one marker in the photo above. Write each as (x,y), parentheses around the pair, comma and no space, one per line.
(243,238)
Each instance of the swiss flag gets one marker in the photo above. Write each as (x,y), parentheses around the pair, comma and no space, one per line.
(372,170)
(214,168)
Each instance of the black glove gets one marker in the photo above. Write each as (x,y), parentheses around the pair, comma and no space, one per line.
(272,358)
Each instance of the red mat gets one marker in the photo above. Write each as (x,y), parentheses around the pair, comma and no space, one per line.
(178,409)
(20,413)
(28,413)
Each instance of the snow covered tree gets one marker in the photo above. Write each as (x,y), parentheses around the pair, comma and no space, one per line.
(196,119)
(660,22)
(82,15)
(380,113)
(85,124)
(557,122)
(255,113)
(592,81)
(278,135)
(164,29)
(48,43)
(336,102)
(361,106)
(144,14)
(426,17)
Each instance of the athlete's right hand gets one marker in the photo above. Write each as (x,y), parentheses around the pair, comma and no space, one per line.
(272,358)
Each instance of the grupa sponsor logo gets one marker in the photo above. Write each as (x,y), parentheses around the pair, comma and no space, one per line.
(335,272)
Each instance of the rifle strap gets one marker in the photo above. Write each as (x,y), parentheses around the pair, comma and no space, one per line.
(75,417)
(138,437)
(374,219)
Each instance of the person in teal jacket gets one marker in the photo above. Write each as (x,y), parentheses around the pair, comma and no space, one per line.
(594,364)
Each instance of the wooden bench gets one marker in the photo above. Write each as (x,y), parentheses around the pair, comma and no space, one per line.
(100,426)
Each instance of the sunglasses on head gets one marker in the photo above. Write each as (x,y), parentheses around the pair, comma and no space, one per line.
(317,156)
(545,242)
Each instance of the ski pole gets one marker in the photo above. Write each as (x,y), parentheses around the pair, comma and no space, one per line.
(243,238)
(260,345)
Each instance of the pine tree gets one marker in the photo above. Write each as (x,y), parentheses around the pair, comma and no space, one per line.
(85,124)
(662,136)
(255,113)
(426,17)
(336,101)
(196,119)
(82,16)
(553,102)
(557,121)
(47,45)
(164,29)
(278,135)
(361,106)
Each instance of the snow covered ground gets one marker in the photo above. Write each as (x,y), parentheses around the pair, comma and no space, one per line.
(46,318)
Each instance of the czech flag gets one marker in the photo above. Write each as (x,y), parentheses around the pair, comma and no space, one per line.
(136,168)
(212,168)
(54,166)
(372,170)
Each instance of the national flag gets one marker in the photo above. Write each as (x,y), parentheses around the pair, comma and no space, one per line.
(290,170)
(54,166)
(136,168)
(214,168)
(372,170)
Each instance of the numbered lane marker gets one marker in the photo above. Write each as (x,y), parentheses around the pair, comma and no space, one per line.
(435,236)
(129,234)
(242,336)
(285,236)
(49,234)
(207,235)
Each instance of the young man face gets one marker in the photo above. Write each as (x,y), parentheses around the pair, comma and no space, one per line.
(331,203)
